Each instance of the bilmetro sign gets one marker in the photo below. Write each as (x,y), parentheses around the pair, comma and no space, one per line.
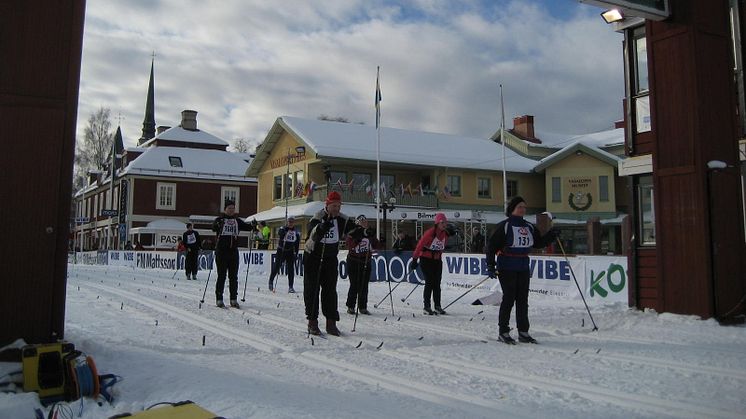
(648,9)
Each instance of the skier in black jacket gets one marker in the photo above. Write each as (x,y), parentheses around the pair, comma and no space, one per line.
(192,241)
(325,231)
(360,244)
(512,241)
(227,227)
(288,242)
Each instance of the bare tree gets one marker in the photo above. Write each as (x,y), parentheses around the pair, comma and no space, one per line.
(241,145)
(95,149)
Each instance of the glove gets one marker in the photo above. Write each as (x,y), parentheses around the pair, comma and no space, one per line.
(491,272)
(327,225)
(413,264)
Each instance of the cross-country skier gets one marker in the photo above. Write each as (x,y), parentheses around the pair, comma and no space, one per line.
(288,241)
(227,227)
(512,241)
(360,244)
(325,230)
(192,241)
(429,250)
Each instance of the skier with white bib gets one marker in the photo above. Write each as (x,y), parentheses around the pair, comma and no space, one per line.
(511,242)
(288,242)
(227,226)
(429,251)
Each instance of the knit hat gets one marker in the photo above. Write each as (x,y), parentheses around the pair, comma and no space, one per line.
(228,203)
(332,197)
(512,204)
(440,218)
(360,218)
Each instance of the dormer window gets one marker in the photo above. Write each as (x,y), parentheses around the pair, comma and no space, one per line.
(175,161)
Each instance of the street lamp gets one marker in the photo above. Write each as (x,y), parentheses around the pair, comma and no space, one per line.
(299,151)
(386,207)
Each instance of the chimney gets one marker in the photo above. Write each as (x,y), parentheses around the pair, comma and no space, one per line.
(189,120)
(162,128)
(524,126)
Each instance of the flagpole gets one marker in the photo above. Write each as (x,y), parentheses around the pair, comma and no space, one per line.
(111,191)
(378,153)
(502,140)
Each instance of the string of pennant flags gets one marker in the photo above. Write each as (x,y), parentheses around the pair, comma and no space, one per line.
(386,190)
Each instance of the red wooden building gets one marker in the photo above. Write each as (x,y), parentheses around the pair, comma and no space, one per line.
(182,175)
(684,94)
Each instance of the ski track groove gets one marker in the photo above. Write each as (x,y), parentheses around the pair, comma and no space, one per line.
(607,355)
(391,382)
(455,332)
(359,373)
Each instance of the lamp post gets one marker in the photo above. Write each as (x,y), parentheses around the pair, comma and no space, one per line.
(299,151)
(384,208)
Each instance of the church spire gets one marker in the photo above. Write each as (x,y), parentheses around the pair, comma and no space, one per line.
(148,124)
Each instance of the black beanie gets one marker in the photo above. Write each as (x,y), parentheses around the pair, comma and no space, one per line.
(228,203)
(512,204)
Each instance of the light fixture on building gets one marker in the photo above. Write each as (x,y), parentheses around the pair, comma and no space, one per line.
(612,15)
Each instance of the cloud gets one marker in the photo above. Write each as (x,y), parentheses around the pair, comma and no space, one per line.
(242,64)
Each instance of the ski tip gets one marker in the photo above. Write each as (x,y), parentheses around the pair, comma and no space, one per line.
(398,319)
(379,346)
(599,350)
(420,338)
(278,305)
(311,341)
(471,319)
(247,321)
(359,344)
(384,319)
(576,351)
(481,312)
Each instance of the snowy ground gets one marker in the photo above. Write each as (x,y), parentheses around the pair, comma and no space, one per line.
(259,362)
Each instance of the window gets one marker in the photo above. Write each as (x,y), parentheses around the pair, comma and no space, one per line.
(453,183)
(484,188)
(288,190)
(230,193)
(388,181)
(277,190)
(360,181)
(646,211)
(556,189)
(174,161)
(165,196)
(337,178)
(639,79)
(603,188)
(298,182)
(512,188)
(95,206)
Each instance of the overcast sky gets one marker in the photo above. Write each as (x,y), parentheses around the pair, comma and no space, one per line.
(242,63)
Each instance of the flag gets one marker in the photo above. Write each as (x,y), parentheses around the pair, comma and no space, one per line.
(363,187)
(350,185)
(312,187)
(421,189)
(408,189)
(401,190)
(339,183)
(446,193)
(378,99)
(383,190)
(369,191)
(298,189)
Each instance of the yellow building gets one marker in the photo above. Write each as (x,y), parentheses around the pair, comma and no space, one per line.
(422,173)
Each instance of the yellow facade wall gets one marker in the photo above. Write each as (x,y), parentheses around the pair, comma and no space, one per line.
(579,175)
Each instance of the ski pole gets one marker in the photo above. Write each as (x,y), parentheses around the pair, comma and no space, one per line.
(467,291)
(392,290)
(562,248)
(357,297)
(208,278)
(248,268)
(410,292)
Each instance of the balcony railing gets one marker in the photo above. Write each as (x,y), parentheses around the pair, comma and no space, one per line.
(362,197)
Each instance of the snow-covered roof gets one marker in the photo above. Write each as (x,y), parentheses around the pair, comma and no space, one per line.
(572,148)
(355,141)
(187,136)
(195,163)
(599,139)
(167,224)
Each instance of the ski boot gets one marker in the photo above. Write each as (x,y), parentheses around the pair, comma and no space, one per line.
(350,310)
(506,338)
(524,337)
(364,311)
(234,304)
(427,310)
(331,327)
(220,304)
(440,310)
